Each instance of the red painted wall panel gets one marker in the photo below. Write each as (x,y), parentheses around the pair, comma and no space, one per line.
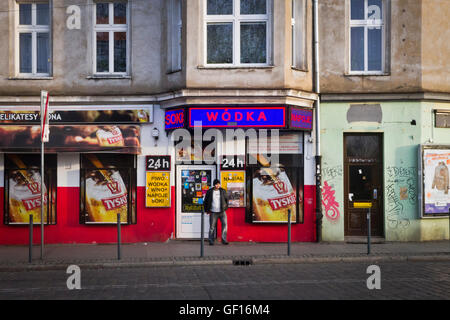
(153,225)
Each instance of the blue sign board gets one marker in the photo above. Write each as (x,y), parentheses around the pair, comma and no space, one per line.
(241,117)
(301,119)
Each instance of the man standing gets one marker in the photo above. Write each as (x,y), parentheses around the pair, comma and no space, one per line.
(216,205)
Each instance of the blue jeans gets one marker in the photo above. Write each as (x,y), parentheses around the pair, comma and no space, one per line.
(213,217)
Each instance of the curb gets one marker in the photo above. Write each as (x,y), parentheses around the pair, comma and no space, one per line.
(241,261)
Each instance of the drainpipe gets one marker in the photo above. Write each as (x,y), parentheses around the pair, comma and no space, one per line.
(318,157)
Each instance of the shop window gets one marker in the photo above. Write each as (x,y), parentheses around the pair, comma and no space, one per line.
(108,188)
(23,189)
(275,179)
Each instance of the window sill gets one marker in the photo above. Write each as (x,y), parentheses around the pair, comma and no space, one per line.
(300,69)
(31,78)
(174,71)
(234,67)
(359,74)
(108,77)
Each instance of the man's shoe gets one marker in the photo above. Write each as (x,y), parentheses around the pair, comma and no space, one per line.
(211,243)
(225,242)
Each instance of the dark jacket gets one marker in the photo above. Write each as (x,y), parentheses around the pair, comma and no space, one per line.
(223,200)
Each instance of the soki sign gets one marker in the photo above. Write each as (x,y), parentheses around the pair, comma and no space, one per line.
(174,119)
(246,117)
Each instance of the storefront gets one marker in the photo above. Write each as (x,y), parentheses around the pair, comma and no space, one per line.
(262,156)
(153,166)
(90,171)
(394,155)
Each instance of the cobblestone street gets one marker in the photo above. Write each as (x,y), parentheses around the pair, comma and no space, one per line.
(412,280)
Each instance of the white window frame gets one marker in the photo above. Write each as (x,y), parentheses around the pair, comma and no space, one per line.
(111,28)
(298,37)
(236,19)
(34,29)
(174,35)
(368,24)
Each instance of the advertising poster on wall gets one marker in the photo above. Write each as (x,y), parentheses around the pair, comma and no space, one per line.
(234,183)
(276,186)
(195,184)
(157,189)
(23,189)
(105,188)
(436,167)
(67,138)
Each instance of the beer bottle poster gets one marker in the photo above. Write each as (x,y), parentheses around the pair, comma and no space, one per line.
(234,183)
(157,189)
(275,181)
(106,192)
(23,189)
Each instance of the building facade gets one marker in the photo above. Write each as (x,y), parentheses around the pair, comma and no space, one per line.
(128,81)
(385,97)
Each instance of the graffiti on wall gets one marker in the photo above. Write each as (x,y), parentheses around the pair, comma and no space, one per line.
(331,176)
(401,195)
(329,202)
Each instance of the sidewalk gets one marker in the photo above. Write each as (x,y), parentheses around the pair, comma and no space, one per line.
(176,252)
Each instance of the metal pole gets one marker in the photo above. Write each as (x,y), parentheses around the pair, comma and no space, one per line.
(42,189)
(202,237)
(289,233)
(30,249)
(369,229)
(118,237)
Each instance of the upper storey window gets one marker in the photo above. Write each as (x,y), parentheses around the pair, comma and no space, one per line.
(238,32)
(367,36)
(111,40)
(33,54)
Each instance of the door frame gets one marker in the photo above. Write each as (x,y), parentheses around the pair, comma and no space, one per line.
(346,182)
(178,197)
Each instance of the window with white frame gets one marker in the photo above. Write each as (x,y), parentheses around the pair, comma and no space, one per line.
(367,36)
(238,32)
(298,33)
(33,53)
(111,40)
(174,30)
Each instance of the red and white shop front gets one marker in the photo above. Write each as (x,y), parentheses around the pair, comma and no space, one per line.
(98,165)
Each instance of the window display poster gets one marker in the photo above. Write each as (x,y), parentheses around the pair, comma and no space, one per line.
(158,189)
(436,181)
(274,193)
(195,184)
(234,183)
(106,191)
(23,190)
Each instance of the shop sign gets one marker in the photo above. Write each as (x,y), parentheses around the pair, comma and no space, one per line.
(234,183)
(144,115)
(436,180)
(76,138)
(301,119)
(236,162)
(157,163)
(241,117)
(157,189)
(174,119)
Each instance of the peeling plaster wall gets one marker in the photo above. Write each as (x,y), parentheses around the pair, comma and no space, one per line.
(404,48)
